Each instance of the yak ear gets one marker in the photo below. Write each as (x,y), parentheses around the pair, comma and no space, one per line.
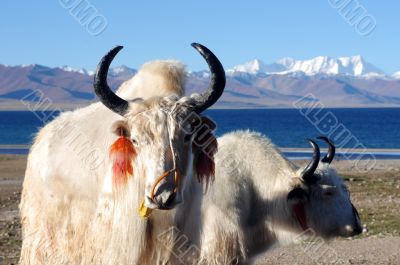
(122,153)
(204,147)
(121,128)
(298,194)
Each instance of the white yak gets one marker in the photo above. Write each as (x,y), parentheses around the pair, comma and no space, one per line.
(260,199)
(90,170)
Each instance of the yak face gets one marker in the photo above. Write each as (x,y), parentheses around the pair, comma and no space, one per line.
(166,138)
(164,146)
(321,200)
(156,135)
(328,207)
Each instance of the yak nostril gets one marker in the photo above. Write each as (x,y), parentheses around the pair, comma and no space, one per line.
(170,199)
(358,229)
(165,200)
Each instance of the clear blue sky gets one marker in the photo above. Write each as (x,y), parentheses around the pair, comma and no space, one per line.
(44,32)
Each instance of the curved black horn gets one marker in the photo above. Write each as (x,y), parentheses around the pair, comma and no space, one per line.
(217,85)
(101,88)
(331,151)
(308,172)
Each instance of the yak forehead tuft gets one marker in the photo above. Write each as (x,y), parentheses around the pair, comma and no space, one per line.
(155,78)
(328,176)
(158,110)
(150,125)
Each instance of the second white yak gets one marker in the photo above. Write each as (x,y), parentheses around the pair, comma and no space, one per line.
(260,199)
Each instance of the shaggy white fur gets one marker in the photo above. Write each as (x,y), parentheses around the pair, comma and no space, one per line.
(247,210)
(69,215)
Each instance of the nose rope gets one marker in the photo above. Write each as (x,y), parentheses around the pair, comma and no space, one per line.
(145,212)
(160,178)
(166,174)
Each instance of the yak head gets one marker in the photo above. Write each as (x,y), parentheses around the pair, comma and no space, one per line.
(158,138)
(321,201)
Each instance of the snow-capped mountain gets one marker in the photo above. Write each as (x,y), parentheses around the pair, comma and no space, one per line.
(122,70)
(252,67)
(396,75)
(71,69)
(257,66)
(61,85)
(340,82)
(350,66)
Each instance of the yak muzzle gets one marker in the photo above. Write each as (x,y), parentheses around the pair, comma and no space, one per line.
(164,194)
(357,222)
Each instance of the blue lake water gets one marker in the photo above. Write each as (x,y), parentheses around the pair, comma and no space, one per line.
(370,128)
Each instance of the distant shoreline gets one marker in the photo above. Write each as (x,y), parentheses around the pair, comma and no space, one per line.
(290,153)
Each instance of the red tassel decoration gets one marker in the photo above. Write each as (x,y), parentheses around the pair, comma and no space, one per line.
(122,152)
(204,163)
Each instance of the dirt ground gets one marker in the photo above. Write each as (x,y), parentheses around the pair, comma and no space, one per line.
(376,194)
(12,169)
(371,250)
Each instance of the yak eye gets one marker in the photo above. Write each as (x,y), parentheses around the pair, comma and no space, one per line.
(134,141)
(187,138)
(328,190)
